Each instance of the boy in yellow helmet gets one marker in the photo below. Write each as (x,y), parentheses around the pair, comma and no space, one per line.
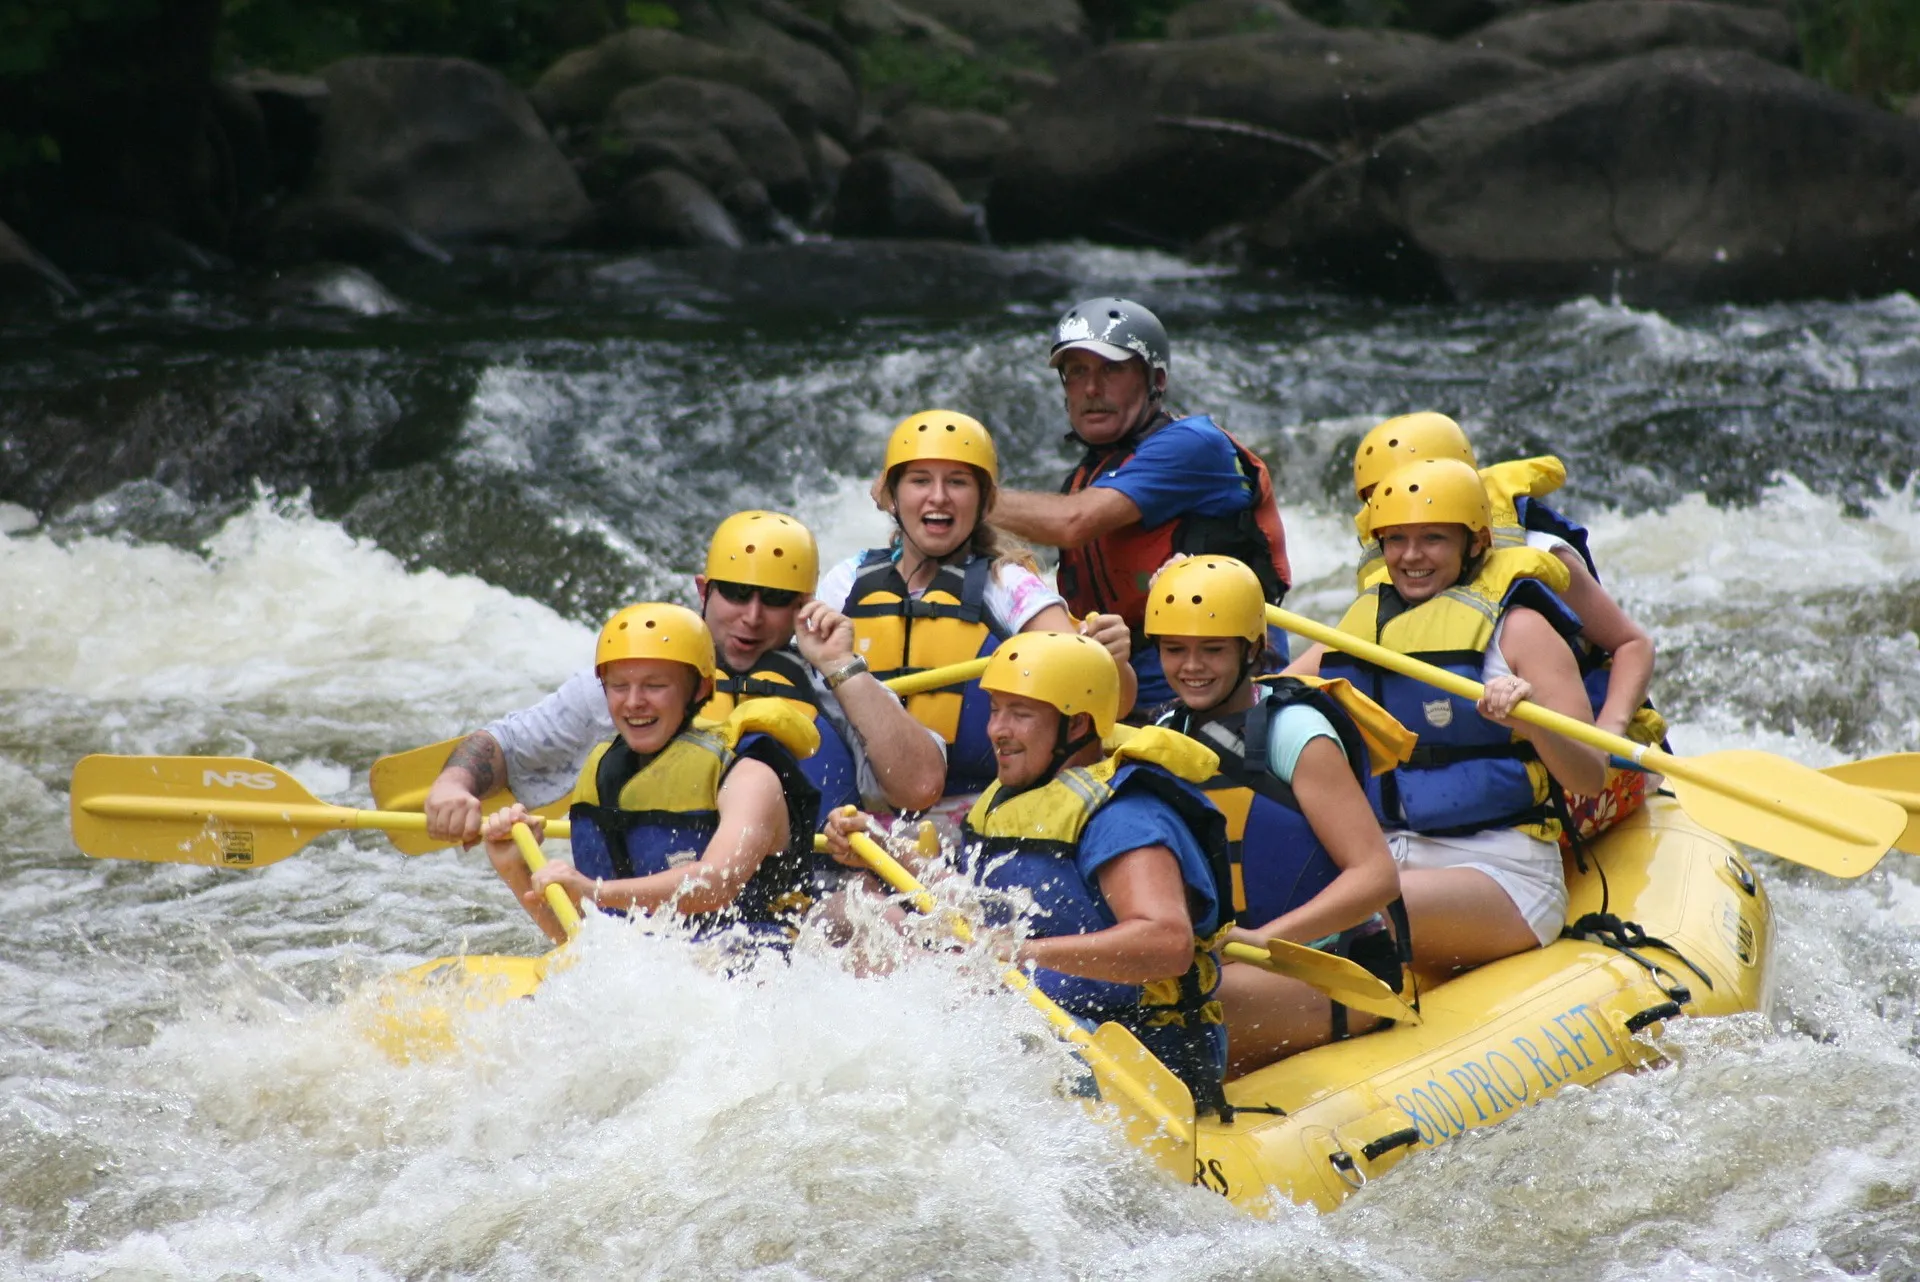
(713,820)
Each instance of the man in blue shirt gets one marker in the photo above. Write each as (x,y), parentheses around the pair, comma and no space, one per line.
(1149,487)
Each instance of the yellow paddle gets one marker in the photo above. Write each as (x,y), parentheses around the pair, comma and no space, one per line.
(1345,981)
(1895,778)
(412,1019)
(401,780)
(1748,796)
(224,812)
(1156,1108)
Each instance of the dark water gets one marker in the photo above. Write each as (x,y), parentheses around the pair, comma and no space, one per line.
(317,519)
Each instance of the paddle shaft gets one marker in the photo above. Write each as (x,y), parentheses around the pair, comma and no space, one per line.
(556,897)
(267,813)
(896,875)
(1642,755)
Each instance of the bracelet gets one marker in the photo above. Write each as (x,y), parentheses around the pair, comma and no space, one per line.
(596,892)
(846,672)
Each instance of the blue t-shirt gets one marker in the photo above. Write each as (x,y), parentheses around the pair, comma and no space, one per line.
(1187,468)
(1137,819)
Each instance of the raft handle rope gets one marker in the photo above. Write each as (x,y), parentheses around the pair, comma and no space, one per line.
(1626,938)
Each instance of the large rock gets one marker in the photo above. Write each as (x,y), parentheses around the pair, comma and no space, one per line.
(448,147)
(864,21)
(579,87)
(1233,18)
(671,210)
(963,145)
(889,194)
(674,105)
(822,65)
(1163,141)
(1602,30)
(1675,176)
(1056,28)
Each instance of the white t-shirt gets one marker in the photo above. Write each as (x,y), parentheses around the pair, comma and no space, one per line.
(547,745)
(1014,596)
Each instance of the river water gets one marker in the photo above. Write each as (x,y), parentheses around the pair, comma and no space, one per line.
(323,518)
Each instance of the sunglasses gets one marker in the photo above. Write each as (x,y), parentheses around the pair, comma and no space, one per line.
(741,593)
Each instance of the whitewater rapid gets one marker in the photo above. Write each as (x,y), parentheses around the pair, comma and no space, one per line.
(187,1091)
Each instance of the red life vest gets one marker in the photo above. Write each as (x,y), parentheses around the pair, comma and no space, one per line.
(1110,573)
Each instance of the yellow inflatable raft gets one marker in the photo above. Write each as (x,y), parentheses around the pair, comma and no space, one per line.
(1314,1128)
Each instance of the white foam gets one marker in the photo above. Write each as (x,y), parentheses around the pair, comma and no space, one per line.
(280,603)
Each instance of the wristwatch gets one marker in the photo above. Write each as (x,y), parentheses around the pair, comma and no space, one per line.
(846,672)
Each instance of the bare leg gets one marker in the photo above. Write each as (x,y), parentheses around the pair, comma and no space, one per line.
(1270,1017)
(1461,919)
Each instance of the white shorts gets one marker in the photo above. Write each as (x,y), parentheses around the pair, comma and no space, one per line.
(1527,869)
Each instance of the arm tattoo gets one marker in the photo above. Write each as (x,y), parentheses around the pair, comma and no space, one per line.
(475,755)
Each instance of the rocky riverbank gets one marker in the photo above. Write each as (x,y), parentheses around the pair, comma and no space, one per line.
(1656,150)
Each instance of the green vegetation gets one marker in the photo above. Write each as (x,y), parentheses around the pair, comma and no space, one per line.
(1866,47)
(943,77)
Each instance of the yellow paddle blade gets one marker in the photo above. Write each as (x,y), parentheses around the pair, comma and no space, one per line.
(1126,1071)
(1895,778)
(225,812)
(400,782)
(1786,809)
(1345,981)
(414,1014)
(1751,797)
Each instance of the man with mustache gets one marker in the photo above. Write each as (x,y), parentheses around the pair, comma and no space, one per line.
(1150,487)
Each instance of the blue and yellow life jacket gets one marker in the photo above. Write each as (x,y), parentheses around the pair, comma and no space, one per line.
(783,674)
(1467,773)
(666,808)
(1029,840)
(899,634)
(1514,488)
(1279,862)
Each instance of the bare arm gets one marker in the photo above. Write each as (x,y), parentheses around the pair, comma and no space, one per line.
(1111,631)
(1337,810)
(1152,937)
(753,824)
(1604,623)
(1541,659)
(907,761)
(512,868)
(475,770)
(1064,520)
(1308,664)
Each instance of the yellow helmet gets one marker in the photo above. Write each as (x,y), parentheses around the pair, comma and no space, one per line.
(656,630)
(946,436)
(765,549)
(1407,439)
(1433,490)
(1207,596)
(1073,673)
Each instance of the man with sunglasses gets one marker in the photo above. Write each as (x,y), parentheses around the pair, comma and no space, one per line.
(771,639)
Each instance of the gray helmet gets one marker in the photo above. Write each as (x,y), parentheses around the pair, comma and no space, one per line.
(1118,329)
